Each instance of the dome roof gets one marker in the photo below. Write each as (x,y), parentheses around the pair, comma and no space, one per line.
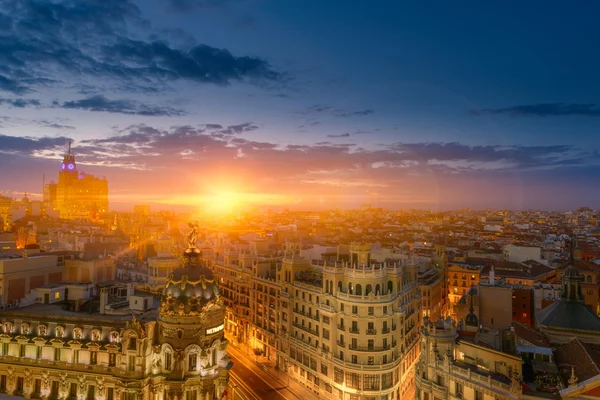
(571,272)
(471,319)
(189,287)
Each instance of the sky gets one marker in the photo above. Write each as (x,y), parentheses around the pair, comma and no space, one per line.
(305,104)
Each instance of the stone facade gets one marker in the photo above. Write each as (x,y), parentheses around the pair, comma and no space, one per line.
(178,352)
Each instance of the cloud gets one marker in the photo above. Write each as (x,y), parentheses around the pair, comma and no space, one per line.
(100,103)
(54,125)
(543,110)
(344,170)
(191,5)
(341,135)
(239,128)
(108,41)
(26,145)
(12,86)
(20,103)
(337,112)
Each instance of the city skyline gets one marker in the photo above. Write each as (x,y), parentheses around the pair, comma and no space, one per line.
(265,103)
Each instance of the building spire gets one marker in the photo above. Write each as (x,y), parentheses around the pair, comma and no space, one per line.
(69,148)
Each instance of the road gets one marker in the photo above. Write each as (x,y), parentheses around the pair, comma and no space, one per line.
(247,385)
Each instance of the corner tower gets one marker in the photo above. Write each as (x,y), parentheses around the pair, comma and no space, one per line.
(191,355)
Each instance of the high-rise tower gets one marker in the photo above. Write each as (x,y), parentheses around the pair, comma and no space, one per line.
(77,195)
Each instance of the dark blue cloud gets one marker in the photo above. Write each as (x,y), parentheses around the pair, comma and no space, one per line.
(544,110)
(27,145)
(100,103)
(20,103)
(337,112)
(201,63)
(43,42)
(341,135)
(191,5)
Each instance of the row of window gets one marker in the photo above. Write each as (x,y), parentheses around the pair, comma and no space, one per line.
(59,332)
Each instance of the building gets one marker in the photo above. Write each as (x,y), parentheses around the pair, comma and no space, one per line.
(579,365)
(77,195)
(176,350)
(460,278)
(569,316)
(344,329)
(519,253)
(456,367)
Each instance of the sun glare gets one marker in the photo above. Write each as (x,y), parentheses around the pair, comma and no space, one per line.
(223,202)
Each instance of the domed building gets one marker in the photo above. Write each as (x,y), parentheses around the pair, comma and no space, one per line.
(569,316)
(191,343)
(172,348)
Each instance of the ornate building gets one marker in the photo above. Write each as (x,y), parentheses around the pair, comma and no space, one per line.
(451,367)
(345,330)
(176,352)
(77,195)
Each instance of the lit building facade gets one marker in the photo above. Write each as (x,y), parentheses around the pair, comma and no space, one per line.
(77,195)
(455,369)
(177,352)
(346,330)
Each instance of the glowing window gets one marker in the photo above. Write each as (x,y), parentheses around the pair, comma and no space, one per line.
(57,296)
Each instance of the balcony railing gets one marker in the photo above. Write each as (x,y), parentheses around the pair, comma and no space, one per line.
(354,330)
(371,331)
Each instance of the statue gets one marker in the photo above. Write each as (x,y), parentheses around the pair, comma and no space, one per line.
(193,234)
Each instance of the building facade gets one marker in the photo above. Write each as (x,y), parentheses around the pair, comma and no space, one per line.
(450,368)
(176,352)
(77,195)
(346,330)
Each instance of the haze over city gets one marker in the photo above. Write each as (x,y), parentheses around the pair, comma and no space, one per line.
(304,104)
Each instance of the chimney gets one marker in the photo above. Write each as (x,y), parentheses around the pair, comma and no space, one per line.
(103,300)
(492,277)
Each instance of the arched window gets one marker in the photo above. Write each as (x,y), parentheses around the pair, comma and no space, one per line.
(7,327)
(390,286)
(339,286)
(378,289)
(350,289)
(369,289)
(42,330)
(588,279)
(59,332)
(77,333)
(24,329)
(331,287)
(114,337)
(95,335)
(358,289)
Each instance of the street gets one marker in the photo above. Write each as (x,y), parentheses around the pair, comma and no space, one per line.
(245,384)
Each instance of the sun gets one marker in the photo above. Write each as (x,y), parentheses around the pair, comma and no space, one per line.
(224,202)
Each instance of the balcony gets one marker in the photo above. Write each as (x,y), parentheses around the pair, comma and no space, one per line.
(369,348)
(371,331)
(306,329)
(354,330)
(385,330)
(341,344)
(366,366)
(366,299)
(341,327)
